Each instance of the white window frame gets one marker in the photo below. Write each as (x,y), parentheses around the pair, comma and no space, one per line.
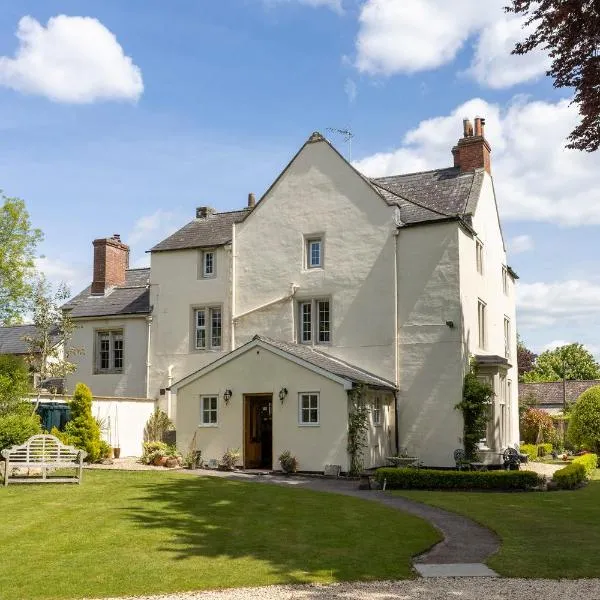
(507,337)
(481,324)
(505,280)
(210,410)
(479,256)
(301,410)
(209,312)
(204,254)
(114,335)
(376,412)
(484,441)
(310,241)
(313,305)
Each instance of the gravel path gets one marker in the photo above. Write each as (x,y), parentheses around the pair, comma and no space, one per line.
(422,589)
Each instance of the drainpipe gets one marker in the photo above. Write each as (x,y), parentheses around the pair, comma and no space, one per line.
(232,323)
(169,384)
(149,324)
(396,341)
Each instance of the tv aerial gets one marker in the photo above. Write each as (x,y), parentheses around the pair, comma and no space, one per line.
(347,135)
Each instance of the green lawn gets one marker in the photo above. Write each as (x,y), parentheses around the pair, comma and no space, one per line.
(152,532)
(544,534)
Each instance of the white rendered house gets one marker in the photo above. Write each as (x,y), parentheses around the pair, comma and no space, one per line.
(261,321)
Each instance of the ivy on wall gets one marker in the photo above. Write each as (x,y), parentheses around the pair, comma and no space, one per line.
(358,427)
(474,406)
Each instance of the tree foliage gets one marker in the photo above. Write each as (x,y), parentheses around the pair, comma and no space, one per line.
(525,358)
(15,382)
(584,425)
(569,30)
(358,427)
(18,242)
(571,361)
(536,426)
(474,406)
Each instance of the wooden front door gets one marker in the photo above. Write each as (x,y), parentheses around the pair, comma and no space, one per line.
(258,431)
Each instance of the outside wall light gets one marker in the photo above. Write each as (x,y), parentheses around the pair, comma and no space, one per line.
(227,396)
(282,394)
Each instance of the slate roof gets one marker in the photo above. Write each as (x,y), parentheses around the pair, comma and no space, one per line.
(550,394)
(329,363)
(129,299)
(11,339)
(432,195)
(214,230)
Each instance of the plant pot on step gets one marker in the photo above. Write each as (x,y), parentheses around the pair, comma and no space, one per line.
(116,452)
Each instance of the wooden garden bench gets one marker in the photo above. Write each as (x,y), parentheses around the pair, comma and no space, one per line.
(43,452)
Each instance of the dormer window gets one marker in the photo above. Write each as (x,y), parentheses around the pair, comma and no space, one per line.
(314,253)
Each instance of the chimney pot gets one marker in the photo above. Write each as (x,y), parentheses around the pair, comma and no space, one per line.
(472,151)
(478,131)
(251,200)
(467,128)
(117,237)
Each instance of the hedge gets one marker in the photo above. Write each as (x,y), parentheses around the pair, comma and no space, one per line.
(570,476)
(430,479)
(589,462)
(534,451)
(544,449)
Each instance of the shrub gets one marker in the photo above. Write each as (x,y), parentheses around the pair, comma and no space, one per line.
(544,449)
(430,479)
(570,476)
(584,424)
(589,462)
(229,459)
(82,431)
(288,462)
(14,382)
(156,426)
(153,450)
(536,425)
(18,426)
(104,449)
(530,449)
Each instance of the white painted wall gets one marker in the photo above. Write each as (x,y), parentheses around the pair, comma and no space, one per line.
(175,289)
(431,364)
(132,381)
(260,371)
(320,194)
(488,287)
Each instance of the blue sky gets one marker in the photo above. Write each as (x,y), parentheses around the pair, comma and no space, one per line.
(125,121)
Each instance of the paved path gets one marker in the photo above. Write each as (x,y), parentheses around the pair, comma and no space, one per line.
(465,542)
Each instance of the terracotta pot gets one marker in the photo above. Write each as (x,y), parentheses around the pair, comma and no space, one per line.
(172,461)
(116,452)
(160,461)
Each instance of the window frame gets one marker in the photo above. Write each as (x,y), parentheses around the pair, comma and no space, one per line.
(309,240)
(210,410)
(507,337)
(310,395)
(479,256)
(377,410)
(482,337)
(314,306)
(114,335)
(505,280)
(202,273)
(208,328)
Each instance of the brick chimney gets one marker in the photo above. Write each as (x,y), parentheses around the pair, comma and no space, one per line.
(472,150)
(111,260)
(251,200)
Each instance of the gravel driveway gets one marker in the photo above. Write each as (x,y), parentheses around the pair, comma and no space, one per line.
(422,589)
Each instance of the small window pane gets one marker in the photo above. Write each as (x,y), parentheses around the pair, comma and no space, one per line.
(324,328)
(209,410)
(306,321)
(104,348)
(377,411)
(200,329)
(215,327)
(118,350)
(309,411)
(209,264)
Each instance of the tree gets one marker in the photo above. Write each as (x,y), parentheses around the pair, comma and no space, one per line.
(525,358)
(14,382)
(536,426)
(584,424)
(572,361)
(570,31)
(18,242)
(49,346)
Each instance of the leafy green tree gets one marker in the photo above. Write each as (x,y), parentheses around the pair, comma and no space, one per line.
(569,30)
(15,382)
(572,361)
(536,426)
(18,242)
(525,358)
(584,424)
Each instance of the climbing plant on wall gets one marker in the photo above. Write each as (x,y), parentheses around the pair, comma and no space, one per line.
(358,427)
(475,409)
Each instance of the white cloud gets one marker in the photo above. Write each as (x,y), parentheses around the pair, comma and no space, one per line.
(520,243)
(419,35)
(72,59)
(493,64)
(535,177)
(566,302)
(75,275)
(335,5)
(148,230)
(350,90)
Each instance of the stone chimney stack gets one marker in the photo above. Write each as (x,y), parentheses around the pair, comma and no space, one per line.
(251,200)
(203,212)
(111,261)
(472,150)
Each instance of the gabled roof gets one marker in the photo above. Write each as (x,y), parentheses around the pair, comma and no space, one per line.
(432,195)
(12,342)
(209,232)
(307,356)
(132,298)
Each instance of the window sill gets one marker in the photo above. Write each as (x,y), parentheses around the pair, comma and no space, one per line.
(309,424)
(120,372)
(208,425)
(206,350)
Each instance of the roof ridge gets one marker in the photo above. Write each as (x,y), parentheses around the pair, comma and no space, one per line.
(416,172)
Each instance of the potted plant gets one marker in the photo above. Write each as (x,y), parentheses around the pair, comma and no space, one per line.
(288,462)
(154,453)
(173,457)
